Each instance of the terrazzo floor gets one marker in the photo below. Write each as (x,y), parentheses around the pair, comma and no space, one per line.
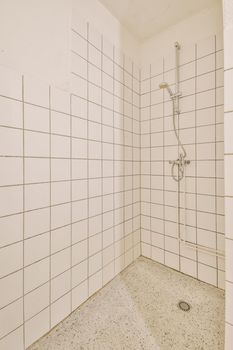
(138,310)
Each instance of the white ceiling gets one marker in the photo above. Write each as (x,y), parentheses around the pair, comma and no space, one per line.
(145,18)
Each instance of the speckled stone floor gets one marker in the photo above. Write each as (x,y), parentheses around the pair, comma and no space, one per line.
(138,310)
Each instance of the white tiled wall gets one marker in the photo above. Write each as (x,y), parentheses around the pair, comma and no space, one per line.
(201,132)
(71,175)
(69,187)
(228,157)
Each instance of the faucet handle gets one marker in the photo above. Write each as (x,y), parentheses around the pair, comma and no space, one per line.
(177,161)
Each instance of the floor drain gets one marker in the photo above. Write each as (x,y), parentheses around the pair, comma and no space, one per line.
(184,306)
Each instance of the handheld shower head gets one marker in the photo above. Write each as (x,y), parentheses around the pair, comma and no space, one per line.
(165,85)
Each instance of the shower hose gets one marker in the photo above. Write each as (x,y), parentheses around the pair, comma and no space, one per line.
(180,162)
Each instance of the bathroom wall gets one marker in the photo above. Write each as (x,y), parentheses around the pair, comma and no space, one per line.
(35,35)
(188,31)
(70,159)
(201,132)
(97,14)
(70,190)
(70,185)
(34,38)
(228,157)
(105,87)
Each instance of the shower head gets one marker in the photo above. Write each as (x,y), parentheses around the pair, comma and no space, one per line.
(165,85)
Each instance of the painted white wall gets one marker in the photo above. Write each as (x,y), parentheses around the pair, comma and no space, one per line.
(187,32)
(34,38)
(35,35)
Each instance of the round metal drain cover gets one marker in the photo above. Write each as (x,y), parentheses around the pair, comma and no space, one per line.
(184,306)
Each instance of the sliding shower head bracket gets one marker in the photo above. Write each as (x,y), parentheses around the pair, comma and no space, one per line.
(177,94)
(177,45)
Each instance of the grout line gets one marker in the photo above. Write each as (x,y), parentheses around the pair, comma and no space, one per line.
(184,64)
(90,43)
(185,257)
(140,125)
(106,159)
(150,161)
(124,86)
(114,171)
(23,291)
(107,108)
(102,165)
(84,199)
(88,169)
(196,178)
(216,168)
(50,211)
(71,207)
(188,209)
(73,95)
(55,253)
(184,113)
(152,104)
(133,177)
(188,192)
(163,186)
(168,131)
(124,139)
(179,193)
(104,71)
(126,163)
(72,289)
(57,205)
(52,302)
(13,330)
(192,77)
(175,238)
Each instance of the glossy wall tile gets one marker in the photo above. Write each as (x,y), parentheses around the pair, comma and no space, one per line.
(70,187)
(201,131)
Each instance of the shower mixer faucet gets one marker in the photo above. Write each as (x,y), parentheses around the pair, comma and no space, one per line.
(181,161)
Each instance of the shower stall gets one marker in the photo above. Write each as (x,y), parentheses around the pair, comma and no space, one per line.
(183,191)
(178,166)
(116,175)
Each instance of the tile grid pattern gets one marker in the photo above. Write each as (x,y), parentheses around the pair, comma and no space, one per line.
(201,131)
(228,161)
(68,223)
(48,218)
(91,64)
